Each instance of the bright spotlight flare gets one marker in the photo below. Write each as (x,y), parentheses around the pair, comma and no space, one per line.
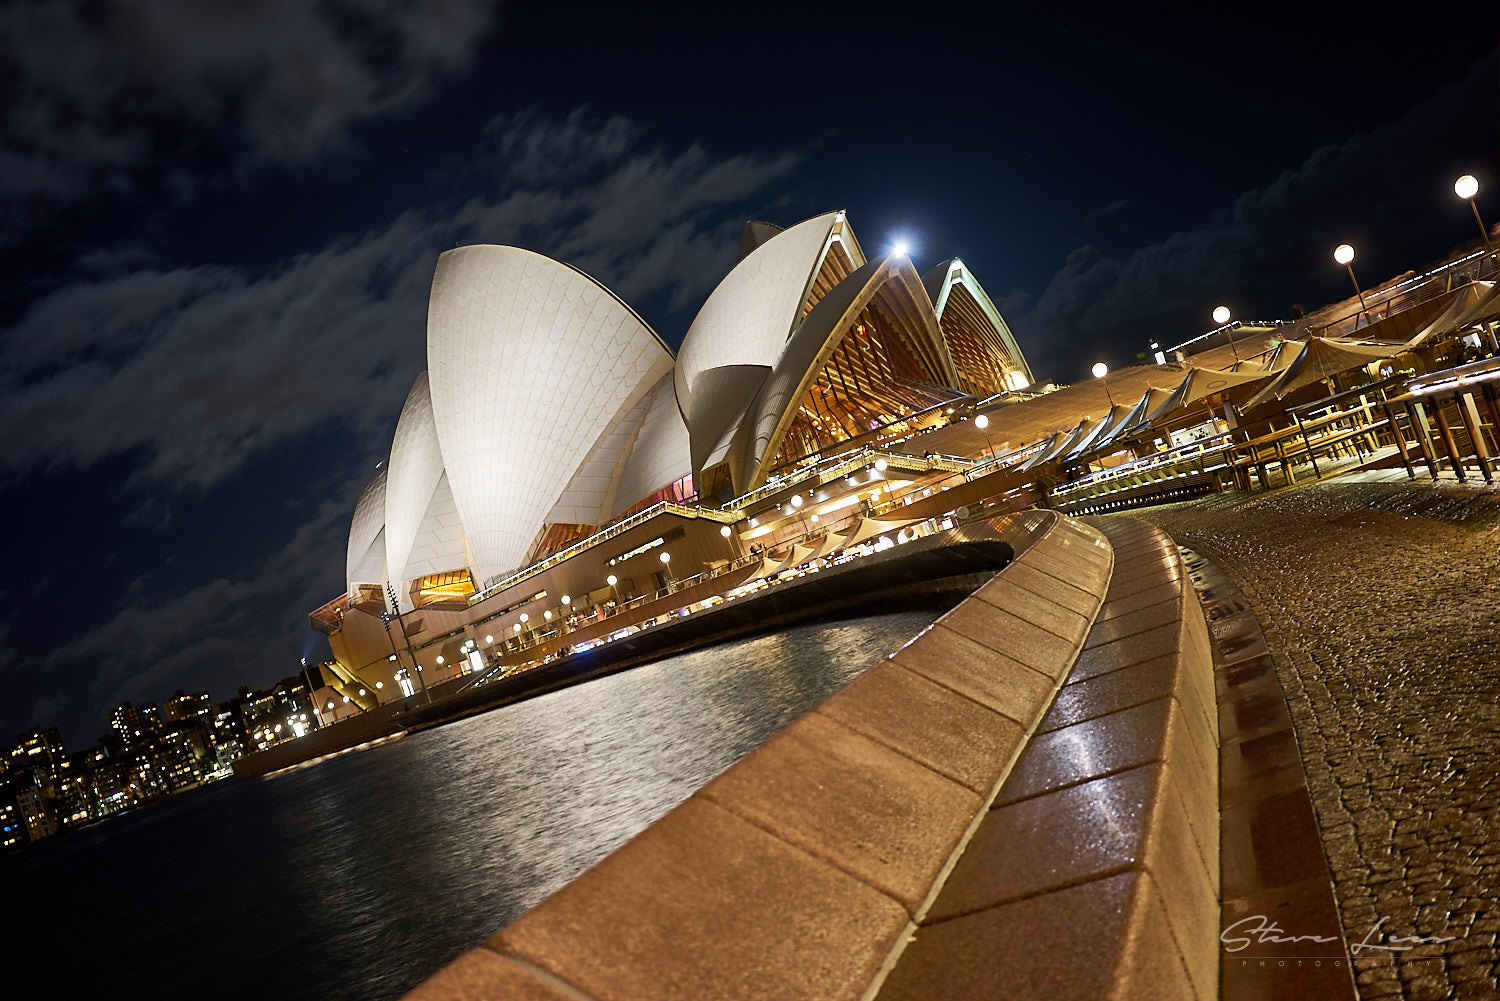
(1467,187)
(900,248)
(1100,370)
(1221,317)
(983,423)
(1344,254)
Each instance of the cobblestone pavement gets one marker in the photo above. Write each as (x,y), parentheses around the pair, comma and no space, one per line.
(1381,607)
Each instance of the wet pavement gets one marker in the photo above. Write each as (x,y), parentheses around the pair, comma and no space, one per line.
(1380,605)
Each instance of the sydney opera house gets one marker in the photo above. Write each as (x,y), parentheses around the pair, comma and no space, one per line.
(557,460)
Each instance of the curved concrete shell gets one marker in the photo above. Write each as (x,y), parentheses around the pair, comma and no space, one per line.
(891,282)
(981,344)
(530,363)
(364,562)
(743,327)
(658,455)
(413,472)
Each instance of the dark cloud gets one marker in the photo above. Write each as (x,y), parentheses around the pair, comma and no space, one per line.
(97,93)
(1280,234)
(223,632)
(203,368)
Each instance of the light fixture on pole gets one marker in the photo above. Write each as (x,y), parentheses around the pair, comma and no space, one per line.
(1100,371)
(1344,254)
(1221,317)
(982,422)
(1467,187)
(666,562)
(614,593)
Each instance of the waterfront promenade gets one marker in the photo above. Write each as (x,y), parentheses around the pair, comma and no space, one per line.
(1380,604)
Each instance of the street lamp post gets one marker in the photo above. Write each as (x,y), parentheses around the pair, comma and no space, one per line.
(1221,317)
(390,592)
(1467,187)
(1344,254)
(982,422)
(666,562)
(1100,371)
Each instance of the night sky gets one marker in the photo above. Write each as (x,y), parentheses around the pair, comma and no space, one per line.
(221,219)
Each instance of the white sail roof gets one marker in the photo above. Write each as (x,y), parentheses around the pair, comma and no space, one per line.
(415,466)
(529,362)
(748,317)
(364,562)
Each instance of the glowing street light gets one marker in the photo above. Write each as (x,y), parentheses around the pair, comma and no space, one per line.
(1344,254)
(900,248)
(982,422)
(1100,371)
(567,599)
(666,562)
(724,531)
(1467,187)
(1221,317)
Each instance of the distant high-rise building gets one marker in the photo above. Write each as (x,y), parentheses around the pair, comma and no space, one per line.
(186,705)
(135,724)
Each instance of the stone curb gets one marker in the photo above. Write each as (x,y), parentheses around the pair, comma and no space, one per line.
(1096,872)
(802,870)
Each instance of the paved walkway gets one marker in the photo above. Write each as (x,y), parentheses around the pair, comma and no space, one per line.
(1380,603)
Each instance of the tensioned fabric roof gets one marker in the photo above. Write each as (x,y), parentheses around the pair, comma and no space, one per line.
(1198,384)
(1111,420)
(1320,358)
(1470,299)
(1149,401)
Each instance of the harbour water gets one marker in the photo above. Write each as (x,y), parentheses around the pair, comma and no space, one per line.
(359,876)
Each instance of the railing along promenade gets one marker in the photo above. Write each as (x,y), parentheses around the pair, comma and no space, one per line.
(1448,417)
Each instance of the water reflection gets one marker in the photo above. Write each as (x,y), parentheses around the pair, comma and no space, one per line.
(362,875)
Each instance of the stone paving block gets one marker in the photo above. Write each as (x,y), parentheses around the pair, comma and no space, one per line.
(929,723)
(1163,566)
(1023,574)
(1109,693)
(1254,971)
(853,802)
(1163,641)
(1086,575)
(747,917)
(1188,893)
(1237,649)
(1055,618)
(1104,939)
(481,974)
(1270,842)
(1260,766)
(1013,636)
(1120,626)
(1142,599)
(1252,715)
(1047,842)
(1151,547)
(1079,557)
(1256,674)
(974,670)
(1088,750)
(1124,586)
